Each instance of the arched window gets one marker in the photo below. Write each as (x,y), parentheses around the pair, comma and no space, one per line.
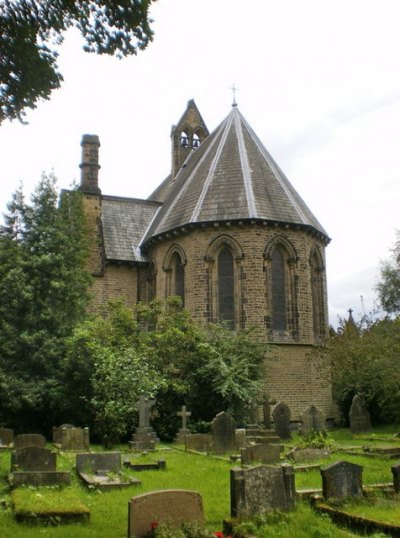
(184,140)
(174,267)
(226,286)
(195,141)
(224,281)
(278,291)
(317,291)
(282,317)
(178,272)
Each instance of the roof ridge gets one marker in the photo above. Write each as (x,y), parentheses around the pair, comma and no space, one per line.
(211,172)
(248,185)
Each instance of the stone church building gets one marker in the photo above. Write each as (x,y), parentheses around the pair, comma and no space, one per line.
(228,233)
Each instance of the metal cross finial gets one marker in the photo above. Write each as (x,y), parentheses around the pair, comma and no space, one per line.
(234,90)
(350,311)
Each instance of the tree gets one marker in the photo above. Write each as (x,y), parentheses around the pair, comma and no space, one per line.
(365,361)
(43,294)
(159,351)
(31,31)
(389,286)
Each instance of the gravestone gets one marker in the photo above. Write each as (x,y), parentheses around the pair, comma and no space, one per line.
(29,439)
(6,438)
(396,477)
(102,470)
(183,431)
(200,442)
(307,454)
(68,437)
(240,438)
(312,419)
(36,466)
(265,453)
(171,507)
(223,432)
(342,479)
(144,437)
(281,415)
(359,417)
(262,489)
(33,458)
(90,463)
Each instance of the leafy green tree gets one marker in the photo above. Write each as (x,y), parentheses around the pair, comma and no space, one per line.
(43,294)
(389,286)
(366,362)
(31,30)
(106,371)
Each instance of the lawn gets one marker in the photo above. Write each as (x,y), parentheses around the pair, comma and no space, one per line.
(205,474)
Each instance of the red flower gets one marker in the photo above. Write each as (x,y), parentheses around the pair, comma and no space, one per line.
(219,534)
(153,525)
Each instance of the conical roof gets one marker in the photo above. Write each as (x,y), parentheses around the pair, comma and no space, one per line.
(231,177)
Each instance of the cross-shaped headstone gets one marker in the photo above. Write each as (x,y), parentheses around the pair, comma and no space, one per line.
(184,414)
(144,411)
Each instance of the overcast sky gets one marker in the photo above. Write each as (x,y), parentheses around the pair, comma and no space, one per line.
(318,80)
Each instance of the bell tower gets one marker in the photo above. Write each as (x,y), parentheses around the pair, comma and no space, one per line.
(187,136)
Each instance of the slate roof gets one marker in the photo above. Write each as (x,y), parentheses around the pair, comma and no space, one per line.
(230,177)
(124,222)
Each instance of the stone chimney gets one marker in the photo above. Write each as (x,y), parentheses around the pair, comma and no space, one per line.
(90,164)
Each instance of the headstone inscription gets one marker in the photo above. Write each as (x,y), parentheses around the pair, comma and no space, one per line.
(359,417)
(262,489)
(29,439)
(396,477)
(183,431)
(144,437)
(223,432)
(281,415)
(6,437)
(172,507)
(312,419)
(342,479)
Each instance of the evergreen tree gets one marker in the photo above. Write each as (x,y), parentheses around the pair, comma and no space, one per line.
(43,294)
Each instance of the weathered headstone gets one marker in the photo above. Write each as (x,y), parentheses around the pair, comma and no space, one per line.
(281,415)
(266,453)
(90,463)
(240,438)
(312,419)
(172,507)
(262,489)
(396,477)
(342,479)
(359,417)
(144,437)
(200,442)
(68,437)
(29,439)
(6,437)
(33,458)
(36,466)
(102,470)
(183,431)
(307,454)
(223,432)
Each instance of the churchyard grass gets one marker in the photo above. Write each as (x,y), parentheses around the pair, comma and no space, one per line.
(207,475)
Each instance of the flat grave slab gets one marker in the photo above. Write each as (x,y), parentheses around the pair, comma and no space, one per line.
(160,465)
(102,470)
